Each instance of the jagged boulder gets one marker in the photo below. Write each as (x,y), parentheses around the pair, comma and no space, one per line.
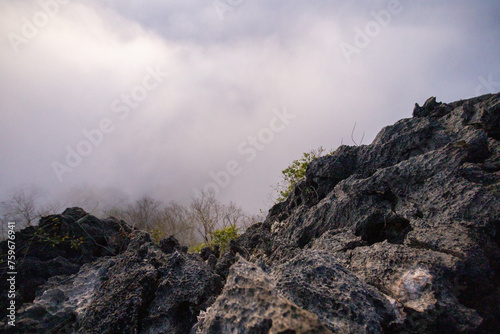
(415,215)
(148,291)
(60,245)
(61,302)
(142,290)
(250,303)
(316,282)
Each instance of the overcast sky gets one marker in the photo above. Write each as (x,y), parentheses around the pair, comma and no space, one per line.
(161,97)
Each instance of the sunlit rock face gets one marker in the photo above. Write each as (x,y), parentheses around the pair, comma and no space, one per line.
(399,236)
(414,216)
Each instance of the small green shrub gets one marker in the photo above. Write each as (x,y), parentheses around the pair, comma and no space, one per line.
(223,236)
(295,172)
(220,237)
(156,234)
(197,248)
(51,235)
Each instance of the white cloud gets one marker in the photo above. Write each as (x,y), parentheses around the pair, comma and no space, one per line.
(224,77)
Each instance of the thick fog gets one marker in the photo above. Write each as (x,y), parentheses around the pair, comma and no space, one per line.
(118,99)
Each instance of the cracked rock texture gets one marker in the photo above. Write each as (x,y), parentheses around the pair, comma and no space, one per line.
(251,303)
(399,236)
(414,216)
(59,245)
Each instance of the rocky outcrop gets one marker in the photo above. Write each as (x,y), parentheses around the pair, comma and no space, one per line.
(415,216)
(315,281)
(399,236)
(145,289)
(250,303)
(59,245)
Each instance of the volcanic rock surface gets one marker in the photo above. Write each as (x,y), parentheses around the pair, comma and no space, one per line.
(59,245)
(399,236)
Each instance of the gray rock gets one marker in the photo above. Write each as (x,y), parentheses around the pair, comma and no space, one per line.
(143,290)
(62,301)
(148,291)
(250,303)
(316,282)
(60,245)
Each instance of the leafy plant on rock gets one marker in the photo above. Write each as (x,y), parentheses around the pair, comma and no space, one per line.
(221,237)
(296,172)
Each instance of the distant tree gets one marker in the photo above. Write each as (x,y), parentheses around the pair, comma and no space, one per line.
(143,213)
(25,207)
(220,237)
(116,212)
(207,214)
(22,204)
(235,216)
(174,219)
(189,224)
(50,208)
(248,220)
